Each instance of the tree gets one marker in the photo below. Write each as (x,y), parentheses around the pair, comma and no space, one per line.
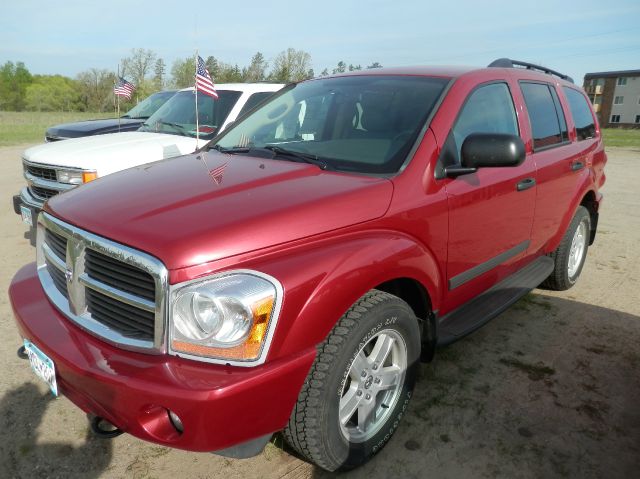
(183,72)
(138,65)
(342,67)
(53,93)
(256,71)
(14,80)
(159,72)
(291,65)
(374,65)
(354,67)
(324,72)
(213,67)
(96,89)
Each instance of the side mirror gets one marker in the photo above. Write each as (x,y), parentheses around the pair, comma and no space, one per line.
(481,150)
(491,150)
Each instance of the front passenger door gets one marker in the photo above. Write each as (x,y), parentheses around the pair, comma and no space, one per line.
(490,212)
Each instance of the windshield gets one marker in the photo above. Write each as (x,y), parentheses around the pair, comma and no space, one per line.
(149,105)
(363,123)
(178,115)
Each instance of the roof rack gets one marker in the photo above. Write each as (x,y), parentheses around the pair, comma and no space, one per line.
(508,63)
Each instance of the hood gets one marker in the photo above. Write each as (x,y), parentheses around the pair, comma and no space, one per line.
(200,208)
(93,127)
(114,152)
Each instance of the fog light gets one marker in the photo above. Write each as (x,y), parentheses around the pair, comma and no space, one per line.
(175,420)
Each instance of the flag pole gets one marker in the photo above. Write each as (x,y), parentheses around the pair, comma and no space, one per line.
(118,112)
(195,79)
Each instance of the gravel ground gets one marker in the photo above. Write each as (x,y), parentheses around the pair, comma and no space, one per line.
(551,388)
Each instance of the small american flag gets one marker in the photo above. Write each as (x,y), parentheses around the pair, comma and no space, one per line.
(204,83)
(124,88)
(217,173)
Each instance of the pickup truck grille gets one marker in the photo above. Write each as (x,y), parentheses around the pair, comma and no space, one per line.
(42,193)
(113,291)
(39,172)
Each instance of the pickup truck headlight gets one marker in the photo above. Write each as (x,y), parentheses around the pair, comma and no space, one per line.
(75,177)
(225,318)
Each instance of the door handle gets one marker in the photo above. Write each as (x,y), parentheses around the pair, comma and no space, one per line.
(526,184)
(577,166)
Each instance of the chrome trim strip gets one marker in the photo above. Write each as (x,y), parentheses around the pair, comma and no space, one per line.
(51,167)
(117,294)
(53,258)
(77,242)
(273,321)
(488,265)
(42,183)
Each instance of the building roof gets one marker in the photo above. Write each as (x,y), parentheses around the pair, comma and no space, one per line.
(618,73)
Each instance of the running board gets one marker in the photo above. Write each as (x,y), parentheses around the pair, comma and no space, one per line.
(480,310)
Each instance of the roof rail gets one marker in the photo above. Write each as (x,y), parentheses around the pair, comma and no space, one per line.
(508,63)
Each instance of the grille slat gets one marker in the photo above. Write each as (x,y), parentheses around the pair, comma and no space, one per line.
(43,193)
(59,280)
(119,275)
(44,173)
(128,320)
(57,243)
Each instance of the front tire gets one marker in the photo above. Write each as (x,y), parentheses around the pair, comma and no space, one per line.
(570,255)
(359,386)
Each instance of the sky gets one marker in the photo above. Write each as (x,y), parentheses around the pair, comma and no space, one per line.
(573,37)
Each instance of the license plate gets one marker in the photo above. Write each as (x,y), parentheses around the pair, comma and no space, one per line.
(26,215)
(42,365)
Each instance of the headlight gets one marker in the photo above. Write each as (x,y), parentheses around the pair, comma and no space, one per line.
(224,317)
(75,177)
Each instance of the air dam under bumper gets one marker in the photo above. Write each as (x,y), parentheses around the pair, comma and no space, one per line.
(219,406)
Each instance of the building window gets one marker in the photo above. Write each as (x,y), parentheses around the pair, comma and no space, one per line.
(622,81)
(615,119)
(637,118)
(619,100)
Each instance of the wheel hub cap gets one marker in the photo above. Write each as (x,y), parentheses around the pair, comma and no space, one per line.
(373,386)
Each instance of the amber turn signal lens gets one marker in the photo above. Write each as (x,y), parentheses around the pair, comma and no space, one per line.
(88,176)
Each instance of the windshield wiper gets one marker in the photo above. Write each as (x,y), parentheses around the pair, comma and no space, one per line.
(305,157)
(175,126)
(230,150)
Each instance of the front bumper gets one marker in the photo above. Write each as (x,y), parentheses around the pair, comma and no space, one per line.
(25,198)
(219,406)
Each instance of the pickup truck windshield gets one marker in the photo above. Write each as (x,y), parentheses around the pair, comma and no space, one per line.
(178,115)
(149,105)
(364,124)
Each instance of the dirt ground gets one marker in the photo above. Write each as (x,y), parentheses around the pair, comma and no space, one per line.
(551,388)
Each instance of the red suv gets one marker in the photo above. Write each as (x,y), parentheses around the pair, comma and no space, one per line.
(293,274)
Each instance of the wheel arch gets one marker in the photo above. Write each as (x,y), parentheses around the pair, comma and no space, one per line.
(388,261)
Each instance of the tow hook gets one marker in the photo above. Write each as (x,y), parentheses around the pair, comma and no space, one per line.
(103,428)
(22,353)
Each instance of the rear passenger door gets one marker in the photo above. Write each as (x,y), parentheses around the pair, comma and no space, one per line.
(559,162)
(490,216)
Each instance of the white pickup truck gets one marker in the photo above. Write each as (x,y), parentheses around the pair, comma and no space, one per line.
(53,168)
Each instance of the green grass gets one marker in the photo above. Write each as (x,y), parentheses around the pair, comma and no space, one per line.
(622,138)
(28,127)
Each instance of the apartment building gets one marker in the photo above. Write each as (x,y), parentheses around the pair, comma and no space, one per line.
(615,97)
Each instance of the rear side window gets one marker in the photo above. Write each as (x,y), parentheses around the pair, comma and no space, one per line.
(489,109)
(545,114)
(581,113)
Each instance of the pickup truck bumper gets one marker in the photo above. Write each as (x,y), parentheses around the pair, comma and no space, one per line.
(27,200)
(220,407)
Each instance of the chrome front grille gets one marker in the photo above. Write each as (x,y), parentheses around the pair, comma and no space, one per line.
(41,172)
(42,193)
(111,290)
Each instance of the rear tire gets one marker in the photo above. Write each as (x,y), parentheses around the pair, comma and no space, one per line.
(359,386)
(570,255)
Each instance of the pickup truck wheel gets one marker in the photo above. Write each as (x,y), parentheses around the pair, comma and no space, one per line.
(570,255)
(360,384)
